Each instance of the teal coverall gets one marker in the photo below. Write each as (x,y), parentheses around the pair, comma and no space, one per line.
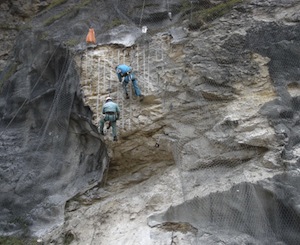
(112,114)
(125,75)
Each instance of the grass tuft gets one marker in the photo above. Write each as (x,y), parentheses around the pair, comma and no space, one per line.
(218,11)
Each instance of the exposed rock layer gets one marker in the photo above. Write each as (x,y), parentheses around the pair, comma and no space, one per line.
(50,149)
(222,109)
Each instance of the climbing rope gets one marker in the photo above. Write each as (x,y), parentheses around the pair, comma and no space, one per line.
(169,11)
(142,13)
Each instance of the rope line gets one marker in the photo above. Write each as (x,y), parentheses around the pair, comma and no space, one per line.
(142,13)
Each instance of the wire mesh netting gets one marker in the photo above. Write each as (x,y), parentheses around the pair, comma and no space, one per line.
(227,167)
(239,181)
(49,147)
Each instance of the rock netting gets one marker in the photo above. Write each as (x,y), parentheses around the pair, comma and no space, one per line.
(221,103)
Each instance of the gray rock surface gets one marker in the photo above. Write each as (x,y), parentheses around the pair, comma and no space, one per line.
(50,150)
(257,224)
(209,157)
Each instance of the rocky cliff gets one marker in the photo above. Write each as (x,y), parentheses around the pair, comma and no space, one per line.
(209,157)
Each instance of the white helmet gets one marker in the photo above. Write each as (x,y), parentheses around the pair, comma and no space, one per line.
(108,98)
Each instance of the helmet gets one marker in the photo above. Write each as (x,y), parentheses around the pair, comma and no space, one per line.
(108,98)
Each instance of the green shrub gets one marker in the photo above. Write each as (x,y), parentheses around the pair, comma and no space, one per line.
(12,69)
(73,9)
(72,42)
(49,21)
(10,241)
(16,241)
(55,3)
(43,36)
(6,26)
(185,6)
(115,23)
(217,11)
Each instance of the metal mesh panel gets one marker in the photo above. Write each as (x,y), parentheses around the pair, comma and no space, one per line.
(43,119)
(226,188)
(229,194)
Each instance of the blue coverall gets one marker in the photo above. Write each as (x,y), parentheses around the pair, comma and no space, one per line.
(112,114)
(124,71)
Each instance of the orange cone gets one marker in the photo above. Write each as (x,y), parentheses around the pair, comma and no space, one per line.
(90,38)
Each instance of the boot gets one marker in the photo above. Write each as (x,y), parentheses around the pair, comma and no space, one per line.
(115,138)
(141,97)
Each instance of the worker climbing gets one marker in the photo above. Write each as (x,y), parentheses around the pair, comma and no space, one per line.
(111,113)
(125,75)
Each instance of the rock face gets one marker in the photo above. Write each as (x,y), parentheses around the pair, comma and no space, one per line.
(211,154)
(261,218)
(49,148)
(14,16)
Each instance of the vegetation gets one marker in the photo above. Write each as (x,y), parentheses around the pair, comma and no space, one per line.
(72,42)
(114,23)
(218,10)
(55,3)
(147,5)
(16,241)
(69,237)
(10,27)
(55,17)
(5,26)
(200,15)
(140,8)
(73,9)
(185,6)
(21,224)
(43,36)
(11,70)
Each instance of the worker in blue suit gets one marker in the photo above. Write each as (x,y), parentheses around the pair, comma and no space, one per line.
(125,75)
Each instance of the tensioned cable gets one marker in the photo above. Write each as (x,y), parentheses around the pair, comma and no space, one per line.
(142,13)
(62,78)
(64,71)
